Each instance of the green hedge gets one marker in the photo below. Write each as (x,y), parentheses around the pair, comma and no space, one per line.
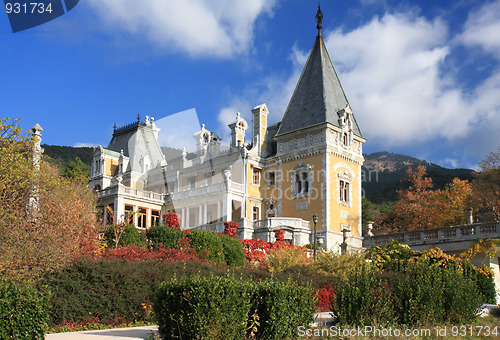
(361,297)
(127,235)
(23,311)
(224,307)
(165,235)
(282,306)
(408,292)
(203,308)
(204,241)
(233,251)
(109,289)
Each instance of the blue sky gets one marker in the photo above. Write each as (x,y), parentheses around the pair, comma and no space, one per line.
(422,77)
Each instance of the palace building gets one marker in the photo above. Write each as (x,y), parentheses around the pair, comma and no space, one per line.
(271,177)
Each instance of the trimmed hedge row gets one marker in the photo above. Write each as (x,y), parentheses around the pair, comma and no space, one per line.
(419,292)
(217,307)
(23,312)
(165,235)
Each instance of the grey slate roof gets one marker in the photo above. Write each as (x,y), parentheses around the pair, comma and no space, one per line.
(137,142)
(318,96)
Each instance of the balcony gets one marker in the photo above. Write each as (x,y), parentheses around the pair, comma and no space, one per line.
(132,193)
(272,223)
(206,190)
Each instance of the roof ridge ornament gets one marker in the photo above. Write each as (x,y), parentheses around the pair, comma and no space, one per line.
(319,20)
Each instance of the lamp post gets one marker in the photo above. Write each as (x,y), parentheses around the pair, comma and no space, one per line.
(315,220)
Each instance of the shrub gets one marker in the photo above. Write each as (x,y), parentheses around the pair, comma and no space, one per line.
(428,292)
(281,259)
(362,298)
(165,235)
(325,298)
(124,235)
(203,241)
(203,308)
(483,278)
(224,307)
(233,251)
(23,312)
(172,220)
(281,308)
(230,228)
(110,288)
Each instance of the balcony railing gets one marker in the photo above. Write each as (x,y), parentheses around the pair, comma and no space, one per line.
(280,222)
(206,190)
(132,192)
(438,235)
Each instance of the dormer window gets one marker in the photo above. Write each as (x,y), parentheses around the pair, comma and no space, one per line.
(345,139)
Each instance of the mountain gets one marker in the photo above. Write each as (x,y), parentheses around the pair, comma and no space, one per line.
(62,155)
(383,171)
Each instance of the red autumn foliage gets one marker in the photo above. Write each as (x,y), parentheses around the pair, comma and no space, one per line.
(256,250)
(280,235)
(325,297)
(172,220)
(231,228)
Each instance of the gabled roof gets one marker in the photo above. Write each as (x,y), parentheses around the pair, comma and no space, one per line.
(318,96)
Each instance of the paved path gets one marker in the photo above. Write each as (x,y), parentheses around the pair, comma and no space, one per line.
(140,333)
(131,333)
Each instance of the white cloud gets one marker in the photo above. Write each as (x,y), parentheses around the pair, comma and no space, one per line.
(482,27)
(219,28)
(390,70)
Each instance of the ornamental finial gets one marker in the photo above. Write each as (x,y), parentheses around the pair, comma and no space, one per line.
(319,19)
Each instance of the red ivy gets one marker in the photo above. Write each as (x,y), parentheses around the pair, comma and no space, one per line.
(230,228)
(280,235)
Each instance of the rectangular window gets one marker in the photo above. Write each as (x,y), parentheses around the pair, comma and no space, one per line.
(141,218)
(209,179)
(192,182)
(155,218)
(271,178)
(256,214)
(344,191)
(129,214)
(256,176)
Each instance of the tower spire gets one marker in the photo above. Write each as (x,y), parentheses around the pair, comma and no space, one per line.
(319,19)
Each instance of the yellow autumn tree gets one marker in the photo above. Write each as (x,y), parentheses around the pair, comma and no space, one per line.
(43,217)
(487,188)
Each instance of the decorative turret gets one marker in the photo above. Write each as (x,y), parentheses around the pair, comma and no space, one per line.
(238,129)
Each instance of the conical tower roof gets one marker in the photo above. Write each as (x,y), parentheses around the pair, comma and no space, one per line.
(318,96)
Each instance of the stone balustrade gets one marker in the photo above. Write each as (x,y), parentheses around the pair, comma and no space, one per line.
(436,236)
(132,192)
